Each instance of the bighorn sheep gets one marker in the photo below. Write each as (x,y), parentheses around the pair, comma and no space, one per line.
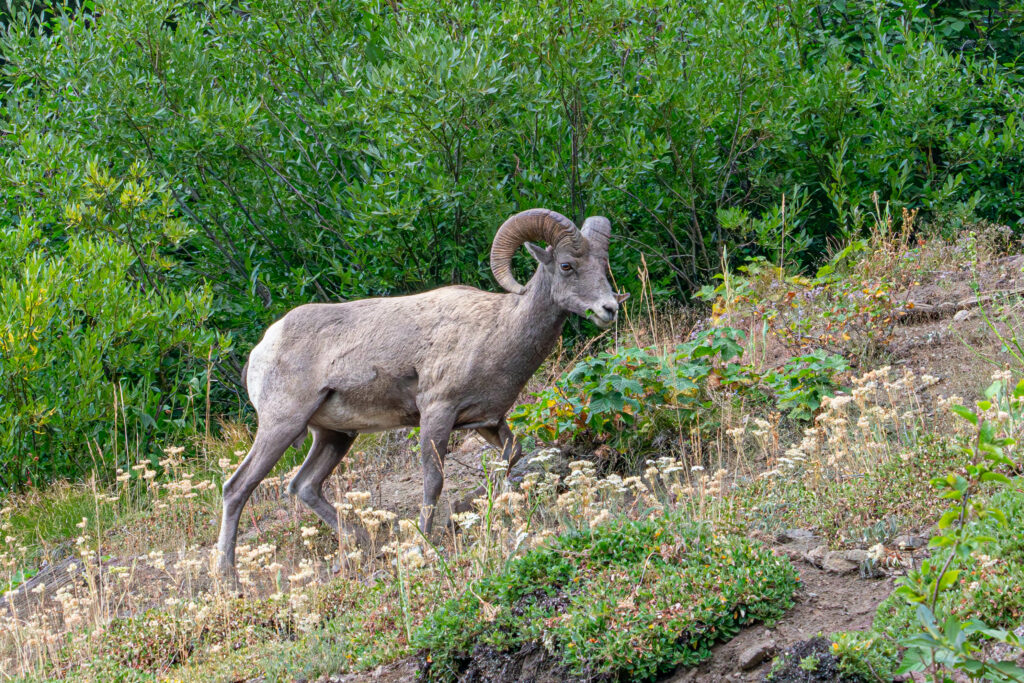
(450,358)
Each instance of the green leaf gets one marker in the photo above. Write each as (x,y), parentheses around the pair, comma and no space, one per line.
(914,658)
(995,476)
(948,517)
(986,432)
(948,579)
(1018,390)
(1009,669)
(966,414)
(926,618)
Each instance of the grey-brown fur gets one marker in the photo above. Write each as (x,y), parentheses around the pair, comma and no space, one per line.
(450,358)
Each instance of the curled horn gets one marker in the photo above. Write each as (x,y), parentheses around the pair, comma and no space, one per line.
(539,225)
(597,230)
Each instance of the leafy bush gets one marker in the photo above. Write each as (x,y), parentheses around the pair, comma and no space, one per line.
(803,381)
(632,600)
(343,150)
(627,397)
(88,358)
(866,656)
(989,585)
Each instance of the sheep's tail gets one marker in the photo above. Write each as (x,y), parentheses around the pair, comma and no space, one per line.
(245,376)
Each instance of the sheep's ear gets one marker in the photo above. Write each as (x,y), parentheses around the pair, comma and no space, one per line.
(619,298)
(543,256)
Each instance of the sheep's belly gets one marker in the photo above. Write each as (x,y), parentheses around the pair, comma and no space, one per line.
(343,415)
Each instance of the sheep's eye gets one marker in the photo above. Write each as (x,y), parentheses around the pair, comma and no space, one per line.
(566,268)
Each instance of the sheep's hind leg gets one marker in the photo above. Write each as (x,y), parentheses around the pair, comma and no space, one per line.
(435,428)
(328,450)
(272,440)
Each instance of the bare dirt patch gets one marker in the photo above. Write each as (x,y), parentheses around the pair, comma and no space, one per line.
(953,330)
(825,603)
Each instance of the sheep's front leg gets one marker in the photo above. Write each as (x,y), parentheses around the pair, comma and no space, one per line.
(435,428)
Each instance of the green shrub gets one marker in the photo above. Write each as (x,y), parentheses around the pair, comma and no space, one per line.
(624,397)
(338,151)
(630,600)
(628,397)
(89,358)
(990,585)
(803,381)
(866,656)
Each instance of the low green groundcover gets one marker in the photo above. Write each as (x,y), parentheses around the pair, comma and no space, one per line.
(629,600)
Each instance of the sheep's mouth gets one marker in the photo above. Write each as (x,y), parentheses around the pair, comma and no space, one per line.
(599,321)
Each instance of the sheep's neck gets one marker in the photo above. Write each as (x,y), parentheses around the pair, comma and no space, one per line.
(537,321)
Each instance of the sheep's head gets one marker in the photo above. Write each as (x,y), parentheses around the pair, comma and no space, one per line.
(576,261)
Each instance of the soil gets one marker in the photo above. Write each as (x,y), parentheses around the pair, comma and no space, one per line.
(397,672)
(948,334)
(530,664)
(942,293)
(947,329)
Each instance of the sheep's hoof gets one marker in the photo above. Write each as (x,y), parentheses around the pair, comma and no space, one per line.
(464,505)
(227,580)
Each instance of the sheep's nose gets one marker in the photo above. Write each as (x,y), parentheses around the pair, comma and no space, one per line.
(610,310)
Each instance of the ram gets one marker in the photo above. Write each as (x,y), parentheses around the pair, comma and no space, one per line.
(450,358)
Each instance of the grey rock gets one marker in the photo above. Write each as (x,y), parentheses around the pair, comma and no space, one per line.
(908,542)
(816,556)
(754,655)
(835,563)
(557,462)
(796,534)
(857,556)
